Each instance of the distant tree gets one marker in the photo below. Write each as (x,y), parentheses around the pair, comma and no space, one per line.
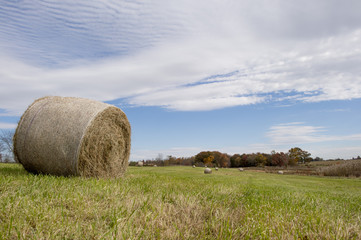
(6,143)
(296,155)
(279,159)
(220,159)
(251,160)
(202,156)
(159,157)
(235,160)
(208,160)
(318,159)
(225,162)
(214,158)
(185,161)
(244,160)
(260,159)
(2,147)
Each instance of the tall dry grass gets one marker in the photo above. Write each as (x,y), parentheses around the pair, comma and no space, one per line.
(344,169)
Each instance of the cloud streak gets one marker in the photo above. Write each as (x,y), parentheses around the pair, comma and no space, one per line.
(298,133)
(7,125)
(180,56)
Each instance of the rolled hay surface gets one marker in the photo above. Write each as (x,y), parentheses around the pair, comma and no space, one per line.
(207,171)
(73,136)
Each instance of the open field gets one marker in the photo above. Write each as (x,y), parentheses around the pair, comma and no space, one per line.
(178,203)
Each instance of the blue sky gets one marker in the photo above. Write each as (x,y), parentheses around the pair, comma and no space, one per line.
(233,76)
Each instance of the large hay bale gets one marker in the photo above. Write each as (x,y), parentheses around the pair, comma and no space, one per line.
(73,136)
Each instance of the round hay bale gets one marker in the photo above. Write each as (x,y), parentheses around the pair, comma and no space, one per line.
(207,171)
(241,169)
(140,164)
(280,172)
(73,136)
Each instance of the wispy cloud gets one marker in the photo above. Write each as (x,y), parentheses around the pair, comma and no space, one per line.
(7,125)
(299,133)
(191,55)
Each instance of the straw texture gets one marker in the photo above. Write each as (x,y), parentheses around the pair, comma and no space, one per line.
(73,136)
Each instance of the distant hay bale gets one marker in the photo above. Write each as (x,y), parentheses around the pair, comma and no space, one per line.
(73,136)
(241,169)
(140,164)
(280,172)
(207,171)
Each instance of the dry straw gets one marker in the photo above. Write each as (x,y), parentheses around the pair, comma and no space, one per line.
(73,136)
(207,171)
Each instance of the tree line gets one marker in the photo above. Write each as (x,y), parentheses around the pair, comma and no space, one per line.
(217,159)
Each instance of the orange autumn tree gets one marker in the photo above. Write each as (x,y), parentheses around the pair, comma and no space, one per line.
(213,158)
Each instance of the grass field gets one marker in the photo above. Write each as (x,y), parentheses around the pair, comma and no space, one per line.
(178,203)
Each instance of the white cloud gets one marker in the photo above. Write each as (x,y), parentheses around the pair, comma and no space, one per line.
(332,152)
(294,133)
(7,125)
(177,55)
(299,133)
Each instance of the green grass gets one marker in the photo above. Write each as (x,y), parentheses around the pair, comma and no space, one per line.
(178,203)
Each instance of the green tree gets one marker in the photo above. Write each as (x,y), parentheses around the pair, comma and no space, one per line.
(235,160)
(297,155)
(261,159)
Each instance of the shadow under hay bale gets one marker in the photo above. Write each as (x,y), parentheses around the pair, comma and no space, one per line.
(73,136)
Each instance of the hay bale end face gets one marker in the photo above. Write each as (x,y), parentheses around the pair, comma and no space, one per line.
(207,171)
(73,136)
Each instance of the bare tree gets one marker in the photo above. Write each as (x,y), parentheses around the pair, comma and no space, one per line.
(2,147)
(6,143)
